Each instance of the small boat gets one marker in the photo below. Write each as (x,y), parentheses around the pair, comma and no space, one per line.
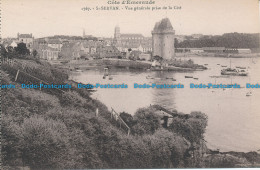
(206,64)
(78,70)
(233,72)
(195,78)
(148,77)
(173,79)
(188,77)
(105,71)
(241,67)
(249,94)
(223,66)
(110,78)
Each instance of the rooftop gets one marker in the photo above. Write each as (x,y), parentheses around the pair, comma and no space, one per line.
(24,35)
(163,26)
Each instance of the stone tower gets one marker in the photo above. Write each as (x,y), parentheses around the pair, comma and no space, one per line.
(163,39)
(117,37)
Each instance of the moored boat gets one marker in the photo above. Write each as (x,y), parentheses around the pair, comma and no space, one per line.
(249,94)
(233,72)
(188,76)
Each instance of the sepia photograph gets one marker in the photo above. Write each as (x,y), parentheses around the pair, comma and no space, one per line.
(129,84)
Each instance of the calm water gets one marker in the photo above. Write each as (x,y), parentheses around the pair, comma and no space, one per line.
(234,118)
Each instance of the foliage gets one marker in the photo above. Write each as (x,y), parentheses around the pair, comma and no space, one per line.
(147,121)
(21,49)
(228,40)
(128,119)
(192,128)
(34,53)
(43,142)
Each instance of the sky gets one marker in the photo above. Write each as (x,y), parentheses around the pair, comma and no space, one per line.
(65,17)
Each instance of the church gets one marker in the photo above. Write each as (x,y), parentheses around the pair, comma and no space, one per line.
(135,42)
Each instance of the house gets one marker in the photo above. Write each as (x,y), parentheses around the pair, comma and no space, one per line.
(72,50)
(50,53)
(27,39)
(13,44)
(9,43)
(55,43)
(108,52)
(44,51)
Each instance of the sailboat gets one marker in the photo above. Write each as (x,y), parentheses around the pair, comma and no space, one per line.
(233,72)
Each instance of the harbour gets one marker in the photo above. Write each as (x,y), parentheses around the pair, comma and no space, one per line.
(237,112)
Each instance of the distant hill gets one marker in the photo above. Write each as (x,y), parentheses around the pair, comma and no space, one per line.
(228,40)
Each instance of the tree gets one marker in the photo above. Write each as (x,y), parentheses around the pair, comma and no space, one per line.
(147,122)
(22,49)
(129,120)
(34,53)
(176,43)
(3,51)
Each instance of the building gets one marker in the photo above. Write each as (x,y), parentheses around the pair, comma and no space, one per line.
(27,39)
(55,43)
(163,39)
(244,51)
(44,50)
(72,50)
(124,42)
(49,53)
(117,38)
(214,49)
(108,52)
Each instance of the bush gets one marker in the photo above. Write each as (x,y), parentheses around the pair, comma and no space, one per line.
(192,128)
(44,143)
(146,121)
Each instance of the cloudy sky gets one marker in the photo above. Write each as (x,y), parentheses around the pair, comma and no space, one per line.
(65,17)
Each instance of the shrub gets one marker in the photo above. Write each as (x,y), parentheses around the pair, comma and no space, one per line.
(146,121)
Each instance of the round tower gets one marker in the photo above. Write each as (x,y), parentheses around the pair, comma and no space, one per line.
(117,37)
(163,39)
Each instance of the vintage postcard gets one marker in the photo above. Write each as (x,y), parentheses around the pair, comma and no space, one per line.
(130,84)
